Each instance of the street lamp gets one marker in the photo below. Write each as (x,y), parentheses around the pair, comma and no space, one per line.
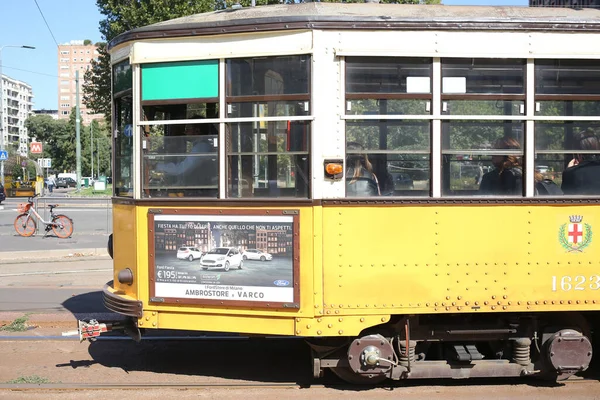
(2,108)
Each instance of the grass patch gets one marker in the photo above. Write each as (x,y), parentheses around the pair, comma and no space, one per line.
(18,325)
(30,380)
(90,192)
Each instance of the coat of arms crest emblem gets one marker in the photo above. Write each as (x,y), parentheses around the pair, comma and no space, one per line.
(575,236)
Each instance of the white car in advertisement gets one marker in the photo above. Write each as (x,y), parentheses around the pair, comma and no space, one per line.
(222,257)
(255,254)
(188,253)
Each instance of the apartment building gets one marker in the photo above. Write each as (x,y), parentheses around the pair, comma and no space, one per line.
(72,57)
(17,103)
(565,3)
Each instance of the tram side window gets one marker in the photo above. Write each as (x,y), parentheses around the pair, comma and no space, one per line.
(268,158)
(483,157)
(123,135)
(387,156)
(180,159)
(567,151)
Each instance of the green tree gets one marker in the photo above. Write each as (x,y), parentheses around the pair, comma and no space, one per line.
(124,15)
(96,86)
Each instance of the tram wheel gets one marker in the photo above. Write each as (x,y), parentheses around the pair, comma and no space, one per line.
(347,375)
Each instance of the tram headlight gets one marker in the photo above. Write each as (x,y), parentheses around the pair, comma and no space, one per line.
(125,276)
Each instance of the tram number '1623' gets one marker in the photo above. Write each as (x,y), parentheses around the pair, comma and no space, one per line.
(567,283)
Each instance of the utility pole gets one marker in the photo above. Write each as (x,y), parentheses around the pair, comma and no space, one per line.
(2,108)
(77,138)
(92,147)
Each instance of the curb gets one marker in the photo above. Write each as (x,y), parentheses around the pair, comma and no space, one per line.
(18,257)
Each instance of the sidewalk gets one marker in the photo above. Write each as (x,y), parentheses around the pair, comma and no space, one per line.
(35,256)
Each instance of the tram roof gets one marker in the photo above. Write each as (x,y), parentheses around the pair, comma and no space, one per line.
(369,16)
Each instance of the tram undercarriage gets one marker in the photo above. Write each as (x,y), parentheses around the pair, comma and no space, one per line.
(552,347)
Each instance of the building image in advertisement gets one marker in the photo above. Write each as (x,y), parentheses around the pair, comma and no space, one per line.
(274,241)
(170,239)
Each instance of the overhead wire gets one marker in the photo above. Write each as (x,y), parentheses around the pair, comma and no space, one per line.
(26,70)
(46,22)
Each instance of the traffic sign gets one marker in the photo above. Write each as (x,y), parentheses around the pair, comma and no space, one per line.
(3,155)
(45,162)
(35,148)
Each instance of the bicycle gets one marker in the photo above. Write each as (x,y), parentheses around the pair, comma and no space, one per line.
(25,224)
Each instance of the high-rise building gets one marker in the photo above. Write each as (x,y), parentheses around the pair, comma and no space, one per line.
(17,102)
(72,57)
(565,3)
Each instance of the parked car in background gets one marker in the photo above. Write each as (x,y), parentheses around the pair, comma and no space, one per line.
(222,257)
(65,183)
(255,254)
(189,253)
(2,193)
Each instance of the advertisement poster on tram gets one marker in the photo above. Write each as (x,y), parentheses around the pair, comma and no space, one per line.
(242,258)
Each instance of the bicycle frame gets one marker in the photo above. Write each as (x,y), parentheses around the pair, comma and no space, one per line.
(39,217)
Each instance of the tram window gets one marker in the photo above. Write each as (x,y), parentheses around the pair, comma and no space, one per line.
(180,160)
(123,135)
(387,85)
(268,159)
(166,112)
(122,79)
(577,81)
(483,107)
(123,142)
(562,144)
(471,149)
(268,76)
(387,75)
(397,152)
(483,76)
(268,108)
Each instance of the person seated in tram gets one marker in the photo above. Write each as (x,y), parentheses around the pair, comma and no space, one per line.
(582,175)
(507,176)
(360,179)
(194,169)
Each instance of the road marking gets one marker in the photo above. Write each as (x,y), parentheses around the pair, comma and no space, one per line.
(57,272)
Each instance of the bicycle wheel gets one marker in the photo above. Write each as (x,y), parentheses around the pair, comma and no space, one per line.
(25,225)
(62,226)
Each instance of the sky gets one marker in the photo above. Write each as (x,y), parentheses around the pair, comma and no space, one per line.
(60,21)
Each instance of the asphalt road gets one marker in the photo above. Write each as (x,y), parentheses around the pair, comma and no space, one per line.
(92,221)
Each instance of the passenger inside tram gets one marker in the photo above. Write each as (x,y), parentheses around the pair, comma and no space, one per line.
(507,176)
(360,179)
(582,175)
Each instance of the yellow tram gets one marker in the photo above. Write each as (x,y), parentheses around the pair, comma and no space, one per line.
(318,170)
